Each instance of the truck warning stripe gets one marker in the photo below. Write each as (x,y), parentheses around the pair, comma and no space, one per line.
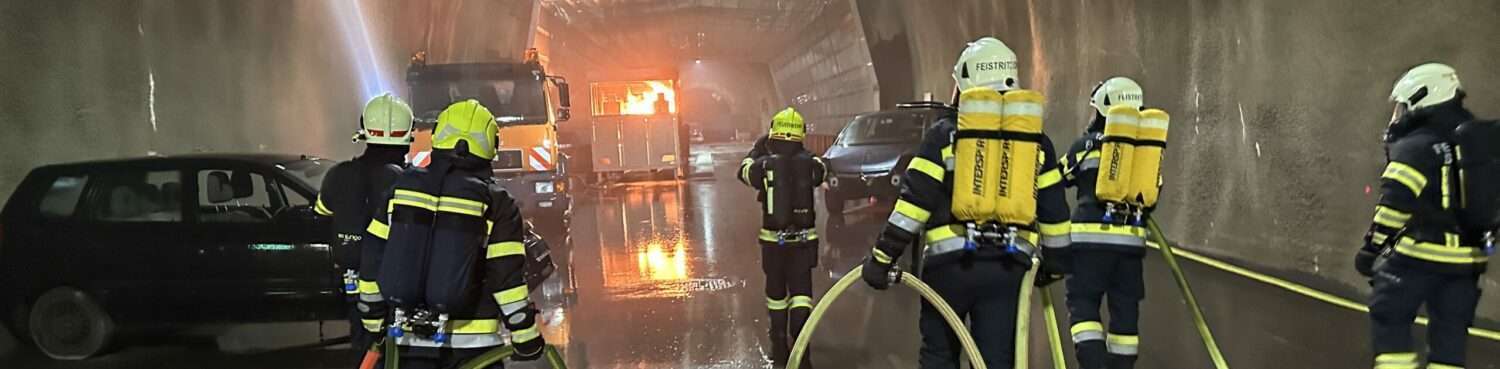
(540,159)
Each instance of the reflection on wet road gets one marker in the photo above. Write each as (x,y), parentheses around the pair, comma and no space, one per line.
(667,275)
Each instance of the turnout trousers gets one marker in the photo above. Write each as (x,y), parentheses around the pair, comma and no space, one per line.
(789,297)
(1101,276)
(986,294)
(1399,293)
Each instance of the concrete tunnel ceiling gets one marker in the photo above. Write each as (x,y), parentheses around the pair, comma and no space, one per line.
(665,32)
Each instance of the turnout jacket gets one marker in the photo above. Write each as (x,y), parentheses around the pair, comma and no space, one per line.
(923,211)
(1415,216)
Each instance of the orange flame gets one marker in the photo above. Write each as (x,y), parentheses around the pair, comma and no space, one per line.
(644,102)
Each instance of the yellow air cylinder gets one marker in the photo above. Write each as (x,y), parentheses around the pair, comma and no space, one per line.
(1150,142)
(976,154)
(1020,147)
(1116,154)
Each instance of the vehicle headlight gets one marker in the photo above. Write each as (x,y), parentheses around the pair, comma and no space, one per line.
(545,187)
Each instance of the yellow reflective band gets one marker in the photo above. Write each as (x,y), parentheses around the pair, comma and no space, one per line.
(1442,366)
(1440,253)
(477,326)
(1112,229)
(461,206)
(525,335)
(880,256)
(912,211)
(1049,179)
(745,169)
(515,294)
(947,152)
(503,249)
(1396,357)
(1406,175)
(1120,339)
(938,234)
(802,302)
(1391,217)
(924,166)
(1056,229)
(372,325)
(767,235)
(379,229)
(369,287)
(322,209)
(411,203)
(1379,238)
(416,195)
(777,304)
(1087,327)
(1447,195)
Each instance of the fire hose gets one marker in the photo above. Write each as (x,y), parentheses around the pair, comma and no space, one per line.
(1023,317)
(1187,294)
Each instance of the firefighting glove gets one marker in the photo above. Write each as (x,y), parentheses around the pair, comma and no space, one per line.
(878,275)
(1364,260)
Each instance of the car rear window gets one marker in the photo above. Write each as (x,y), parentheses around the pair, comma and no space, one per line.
(883,129)
(61,199)
(137,196)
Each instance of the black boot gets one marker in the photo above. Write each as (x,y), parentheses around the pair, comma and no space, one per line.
(799,318)
(780,347)
(1117,361)
(1091,354)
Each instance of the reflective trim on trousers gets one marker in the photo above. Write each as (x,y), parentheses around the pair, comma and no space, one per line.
(1121,344)
(1087,331)
(801,302)
(1396,360)
(775,304)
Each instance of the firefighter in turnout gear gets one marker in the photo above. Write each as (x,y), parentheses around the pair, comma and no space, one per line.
(785,174)
(352,191)
(983,198)
(447,253)
(1116,168)
(1418,250)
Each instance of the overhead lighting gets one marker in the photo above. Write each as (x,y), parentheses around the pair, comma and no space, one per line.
(697,61)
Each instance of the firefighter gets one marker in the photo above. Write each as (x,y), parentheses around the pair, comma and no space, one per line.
(1108,243)
(785,174)
(351,187)
(448,256)
(1415,252)
(978,264)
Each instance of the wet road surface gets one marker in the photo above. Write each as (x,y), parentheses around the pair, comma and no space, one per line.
(667,275)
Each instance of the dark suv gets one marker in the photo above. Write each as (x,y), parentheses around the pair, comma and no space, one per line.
(89,248)
(868,159)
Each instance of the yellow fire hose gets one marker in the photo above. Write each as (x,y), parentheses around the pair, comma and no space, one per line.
(1187,294)
(799,349)
(1054,337)
(1023,314)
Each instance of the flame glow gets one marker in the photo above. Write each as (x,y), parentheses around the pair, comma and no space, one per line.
(643,101)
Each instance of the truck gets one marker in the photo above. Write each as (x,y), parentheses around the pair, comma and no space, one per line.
(528,104)
(636,131)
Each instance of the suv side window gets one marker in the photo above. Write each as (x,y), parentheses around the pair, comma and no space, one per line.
(238,196)
(61,199)
(133,195)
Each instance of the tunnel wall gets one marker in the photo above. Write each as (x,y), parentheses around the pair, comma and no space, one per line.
(1278,105)
(80,78)
(826,74)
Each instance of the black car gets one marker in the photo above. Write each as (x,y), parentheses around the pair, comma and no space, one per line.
(90,249)
(868,159)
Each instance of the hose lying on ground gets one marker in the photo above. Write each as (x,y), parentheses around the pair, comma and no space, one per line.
(799,349)
(1187,294)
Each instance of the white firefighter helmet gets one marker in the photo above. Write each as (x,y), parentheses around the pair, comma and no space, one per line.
(1117,91)
(1426,85)
(987,62)
(386,121)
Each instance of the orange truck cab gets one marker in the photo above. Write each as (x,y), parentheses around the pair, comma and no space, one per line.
(528,104)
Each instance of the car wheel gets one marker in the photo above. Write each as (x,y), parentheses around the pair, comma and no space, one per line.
(66,324)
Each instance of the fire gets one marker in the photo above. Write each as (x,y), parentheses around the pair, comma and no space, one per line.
(644,102)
